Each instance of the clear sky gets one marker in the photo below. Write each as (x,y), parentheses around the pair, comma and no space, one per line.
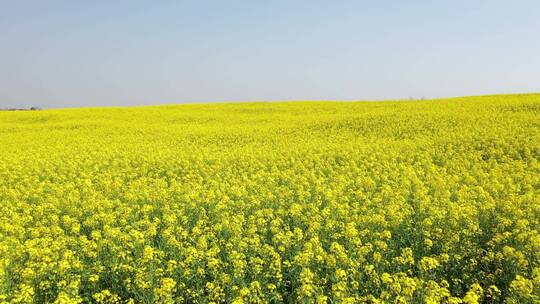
(94,53)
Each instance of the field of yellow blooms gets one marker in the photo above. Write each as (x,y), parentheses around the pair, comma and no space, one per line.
(432,201)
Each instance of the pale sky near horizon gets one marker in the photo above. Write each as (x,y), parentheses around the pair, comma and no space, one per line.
(113,53)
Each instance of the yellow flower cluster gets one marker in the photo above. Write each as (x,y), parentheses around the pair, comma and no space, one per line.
(311,202)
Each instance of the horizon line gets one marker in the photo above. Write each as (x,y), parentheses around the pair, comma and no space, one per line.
(409,99)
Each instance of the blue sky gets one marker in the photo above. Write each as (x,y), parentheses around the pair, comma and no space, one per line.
(96,53)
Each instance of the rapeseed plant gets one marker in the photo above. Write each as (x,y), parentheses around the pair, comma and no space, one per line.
(311,202)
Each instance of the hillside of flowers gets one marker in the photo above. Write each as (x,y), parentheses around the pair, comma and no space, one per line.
(433,201)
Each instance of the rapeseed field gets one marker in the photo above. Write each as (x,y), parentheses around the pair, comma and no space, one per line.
(433,201)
